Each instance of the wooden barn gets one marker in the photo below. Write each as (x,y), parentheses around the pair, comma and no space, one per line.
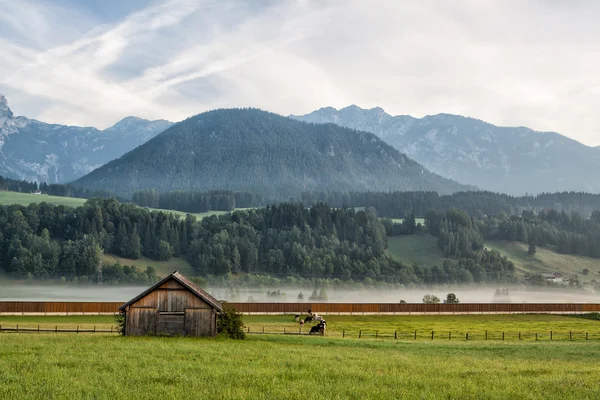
(173,306)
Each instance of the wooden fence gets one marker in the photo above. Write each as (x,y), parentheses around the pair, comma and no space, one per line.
(58,307)
(18,329)
(72,308)
(409,308)
(439,335)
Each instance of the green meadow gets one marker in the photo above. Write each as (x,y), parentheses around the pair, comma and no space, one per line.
(105,366)
(98,366)
(9,198)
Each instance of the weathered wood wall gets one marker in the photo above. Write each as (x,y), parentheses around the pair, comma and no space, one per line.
(171,309)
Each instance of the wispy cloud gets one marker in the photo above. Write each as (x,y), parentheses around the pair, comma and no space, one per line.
(530,63)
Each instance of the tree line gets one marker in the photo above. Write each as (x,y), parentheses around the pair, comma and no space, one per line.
(46,241)
(477,203)
(196,202)
(287,240)
(460,234)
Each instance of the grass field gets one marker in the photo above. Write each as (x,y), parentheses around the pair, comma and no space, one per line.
(420,249)
(99,366)
(8,198)
(546,260)
(163,267)
(423,249)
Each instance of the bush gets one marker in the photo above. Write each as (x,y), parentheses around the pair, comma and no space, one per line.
(451,299)
(431,299)
(229,322)
(120,322)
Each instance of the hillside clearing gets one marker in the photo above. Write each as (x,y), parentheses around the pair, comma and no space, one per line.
(423,250)
(25,199)
(415,249)
(546,260)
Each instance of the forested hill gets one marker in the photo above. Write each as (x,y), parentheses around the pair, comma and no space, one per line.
(256,151)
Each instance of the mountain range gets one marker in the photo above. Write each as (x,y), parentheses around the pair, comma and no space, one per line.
(501,159)
(36,151)
(257,151)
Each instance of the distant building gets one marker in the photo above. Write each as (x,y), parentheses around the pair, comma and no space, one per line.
(555,277)
(173,306)
(37,192)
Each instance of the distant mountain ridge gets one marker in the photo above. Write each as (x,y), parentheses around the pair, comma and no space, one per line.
(257,151)
(37,151)
(501,159)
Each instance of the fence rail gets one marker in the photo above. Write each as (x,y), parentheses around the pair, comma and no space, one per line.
(443,335)
(67,308)
(414,308)
(56,330)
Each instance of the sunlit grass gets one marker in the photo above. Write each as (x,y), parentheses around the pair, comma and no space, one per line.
(99,366)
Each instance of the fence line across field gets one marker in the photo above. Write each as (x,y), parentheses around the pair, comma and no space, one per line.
(107,308)
(18,329)
(396,335)
(441,335)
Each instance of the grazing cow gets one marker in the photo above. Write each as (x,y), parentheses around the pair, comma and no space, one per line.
(319,328)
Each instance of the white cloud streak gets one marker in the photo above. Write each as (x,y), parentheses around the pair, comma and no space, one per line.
(531,63)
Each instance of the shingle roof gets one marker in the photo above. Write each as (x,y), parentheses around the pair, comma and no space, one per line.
(183,281)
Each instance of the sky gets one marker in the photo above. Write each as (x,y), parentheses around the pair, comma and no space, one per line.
(531,63)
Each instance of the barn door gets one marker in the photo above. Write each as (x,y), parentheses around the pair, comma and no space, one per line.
(142,321)
(199,322)
(171,323)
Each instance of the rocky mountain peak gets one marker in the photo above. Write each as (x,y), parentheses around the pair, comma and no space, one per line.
(5,111)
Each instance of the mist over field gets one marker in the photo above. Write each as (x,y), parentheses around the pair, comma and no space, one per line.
(517,294)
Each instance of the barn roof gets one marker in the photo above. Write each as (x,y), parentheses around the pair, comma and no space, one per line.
(183,281)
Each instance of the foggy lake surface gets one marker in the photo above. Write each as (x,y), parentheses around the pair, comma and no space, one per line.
(519,294)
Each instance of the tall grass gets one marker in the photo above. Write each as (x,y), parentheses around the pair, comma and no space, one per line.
(107,367)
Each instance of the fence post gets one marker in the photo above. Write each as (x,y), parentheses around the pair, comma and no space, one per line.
(38,329)
(111,329)
(415,335)
(586,336)
(536,337)
(77,328)
(344,333)
(467,337)
(449,335)
(485,335)
(432,333)
(570,335)
(395,334)
(502,335)
(359,333)
(56,329)
(550,335)
(519,335)
(17,327)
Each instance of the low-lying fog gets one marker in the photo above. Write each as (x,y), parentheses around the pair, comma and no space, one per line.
(517,294)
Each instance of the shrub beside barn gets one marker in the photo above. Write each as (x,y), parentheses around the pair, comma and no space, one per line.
(173,306)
